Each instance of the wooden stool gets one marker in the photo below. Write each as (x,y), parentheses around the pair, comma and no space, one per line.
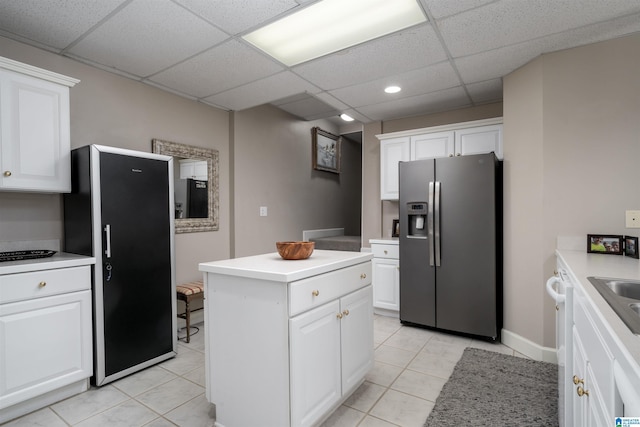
(188,292)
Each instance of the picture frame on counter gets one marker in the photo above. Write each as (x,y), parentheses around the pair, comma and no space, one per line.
(395,230)
(631,247)
(326,150)
(608,244)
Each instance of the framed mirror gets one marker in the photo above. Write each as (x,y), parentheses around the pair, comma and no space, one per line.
(196,185)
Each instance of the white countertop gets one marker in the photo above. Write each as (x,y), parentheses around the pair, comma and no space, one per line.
(583,265)
(58,260)
(390,241)
(272,267)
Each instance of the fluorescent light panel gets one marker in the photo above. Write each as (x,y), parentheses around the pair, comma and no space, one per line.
(332,25)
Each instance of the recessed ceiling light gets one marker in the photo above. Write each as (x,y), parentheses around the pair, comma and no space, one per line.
(346,117)
(328,26)
(392,89)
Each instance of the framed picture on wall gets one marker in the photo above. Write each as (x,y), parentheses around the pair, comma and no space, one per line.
(325,148)
(609,244)
(395,230)
(631,246)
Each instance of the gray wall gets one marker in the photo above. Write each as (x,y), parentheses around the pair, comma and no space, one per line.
(273,168)
(265,160)
(572,149)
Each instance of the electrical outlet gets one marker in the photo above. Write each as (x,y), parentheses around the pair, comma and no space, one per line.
(632,219)
(263,211)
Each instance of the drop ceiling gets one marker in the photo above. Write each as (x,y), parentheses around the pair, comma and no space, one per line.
(194,48)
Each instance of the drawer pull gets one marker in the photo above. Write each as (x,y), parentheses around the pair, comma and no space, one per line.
(582,392)
(315,293)
(42,284)
(346,312)
(385,252)
(363,276)
(339,315)
(577,380)
(7,173)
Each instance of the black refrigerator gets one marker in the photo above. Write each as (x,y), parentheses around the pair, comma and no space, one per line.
(451,244)
(120,211)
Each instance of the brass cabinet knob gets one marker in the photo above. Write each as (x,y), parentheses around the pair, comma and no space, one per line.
(577,380)
(385,252)
(42,284)
(315,292)
(582,392)
(7,173)
(346,312)
(450,155)
(557,308)
(555,273)
(339,315)
(363,276)
(458,154)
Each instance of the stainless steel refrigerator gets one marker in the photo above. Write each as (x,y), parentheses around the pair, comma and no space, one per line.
(120,211)
(451,244)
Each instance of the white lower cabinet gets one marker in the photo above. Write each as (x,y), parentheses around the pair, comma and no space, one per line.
(386,276)
(45,336)
(329,354)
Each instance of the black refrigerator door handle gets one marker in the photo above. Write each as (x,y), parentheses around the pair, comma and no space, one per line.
(430,224)
(107,236)
(436,222)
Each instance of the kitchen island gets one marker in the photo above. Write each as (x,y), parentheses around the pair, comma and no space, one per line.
(286,341)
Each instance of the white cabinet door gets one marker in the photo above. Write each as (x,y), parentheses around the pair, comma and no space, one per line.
(392,152)
(386,283)
(356,337)
(45,344)
(431,145)
(315,372)
(34,141)
(479,140)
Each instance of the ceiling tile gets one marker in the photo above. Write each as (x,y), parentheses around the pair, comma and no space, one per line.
(500,62)
(235,16)
(148,36)
(416,82)
(423,104)
(278,86)
(309,108)
(55,23)
(487,91)
(507,22)
(229,65)
(407,50)
(442,8)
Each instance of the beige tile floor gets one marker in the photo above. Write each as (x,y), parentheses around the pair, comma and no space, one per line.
(411,366)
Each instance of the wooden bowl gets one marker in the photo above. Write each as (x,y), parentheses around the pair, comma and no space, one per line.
(295,250)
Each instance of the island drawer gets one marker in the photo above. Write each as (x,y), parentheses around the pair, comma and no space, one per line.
(315,291)
(44,283)
(385,251)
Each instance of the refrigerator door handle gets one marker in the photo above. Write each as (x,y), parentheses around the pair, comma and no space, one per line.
(436,222)
(430,224)
(107,235)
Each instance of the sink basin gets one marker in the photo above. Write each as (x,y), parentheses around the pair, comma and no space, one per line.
(625,288)
(623,296)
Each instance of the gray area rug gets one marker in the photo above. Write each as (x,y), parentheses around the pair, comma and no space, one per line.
(494,389)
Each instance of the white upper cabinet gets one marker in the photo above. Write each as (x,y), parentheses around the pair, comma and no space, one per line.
(34,129)
(459,139)
(393,151)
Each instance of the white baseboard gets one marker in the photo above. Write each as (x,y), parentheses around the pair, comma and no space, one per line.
(528,347)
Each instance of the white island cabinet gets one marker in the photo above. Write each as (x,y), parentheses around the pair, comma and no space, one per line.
(45,332)
(286,341)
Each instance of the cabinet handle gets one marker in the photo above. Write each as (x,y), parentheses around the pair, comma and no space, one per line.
(451,155)
(582,392)
(7,173)
(363,276)
(315,293)
(42,284)
(339,315)
(385,252)
(577,380)
(555,273)
(346,312)
(458,154)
